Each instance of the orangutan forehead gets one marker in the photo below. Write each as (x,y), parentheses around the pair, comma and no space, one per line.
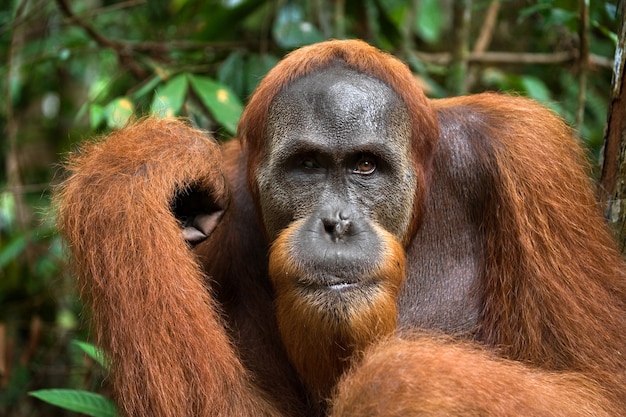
(340,102)
(343,91)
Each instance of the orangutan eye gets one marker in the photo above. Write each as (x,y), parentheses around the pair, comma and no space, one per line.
(309,162)
(366,165)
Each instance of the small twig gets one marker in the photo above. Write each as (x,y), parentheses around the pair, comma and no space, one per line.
(23,213)
(486,32)
(406,29)
(160,47)
(339,19)
(523,57)
(583,61)
(484,39)
(114,7)
(13,169)
(124,55)
(25,19)
(461,16)
(445,58)
(26,188)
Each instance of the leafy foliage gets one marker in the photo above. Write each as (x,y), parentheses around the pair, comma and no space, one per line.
(83,402)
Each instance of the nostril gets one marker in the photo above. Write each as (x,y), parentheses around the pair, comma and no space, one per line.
(329,226)
(337,227)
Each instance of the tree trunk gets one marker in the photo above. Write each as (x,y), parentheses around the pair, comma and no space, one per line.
(613,178)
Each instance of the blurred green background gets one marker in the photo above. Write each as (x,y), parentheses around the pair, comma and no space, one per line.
(72,69)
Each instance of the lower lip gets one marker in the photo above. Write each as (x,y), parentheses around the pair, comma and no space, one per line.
(342,286)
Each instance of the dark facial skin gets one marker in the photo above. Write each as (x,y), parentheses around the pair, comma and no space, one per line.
(337,151)
(337,187)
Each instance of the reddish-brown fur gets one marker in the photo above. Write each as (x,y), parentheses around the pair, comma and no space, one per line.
(436,377)
(327,347)
(554,284)
(151,309)
(196,334)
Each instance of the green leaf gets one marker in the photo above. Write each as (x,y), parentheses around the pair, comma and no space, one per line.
(79,401)
(66,319)
(232,72)
(176,5)
(429,20)
(93,352)
(243,72)
(12,250)
(605,31)
(118,112)
(291,31)
(221,19)
(535,88)
(7,209)
(148,87)
(169,99)
(257,67)
(223,104)
(395,10)
(96,115)
(538,7)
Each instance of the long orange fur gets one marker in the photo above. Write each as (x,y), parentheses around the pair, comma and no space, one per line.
(150,307)
(323,346)
(551,337)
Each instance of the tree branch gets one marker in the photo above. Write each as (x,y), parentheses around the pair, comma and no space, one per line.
(13,168)
(444,58)
(461,17)
(486,32)
(484,39)
(124,54)
(612,187)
